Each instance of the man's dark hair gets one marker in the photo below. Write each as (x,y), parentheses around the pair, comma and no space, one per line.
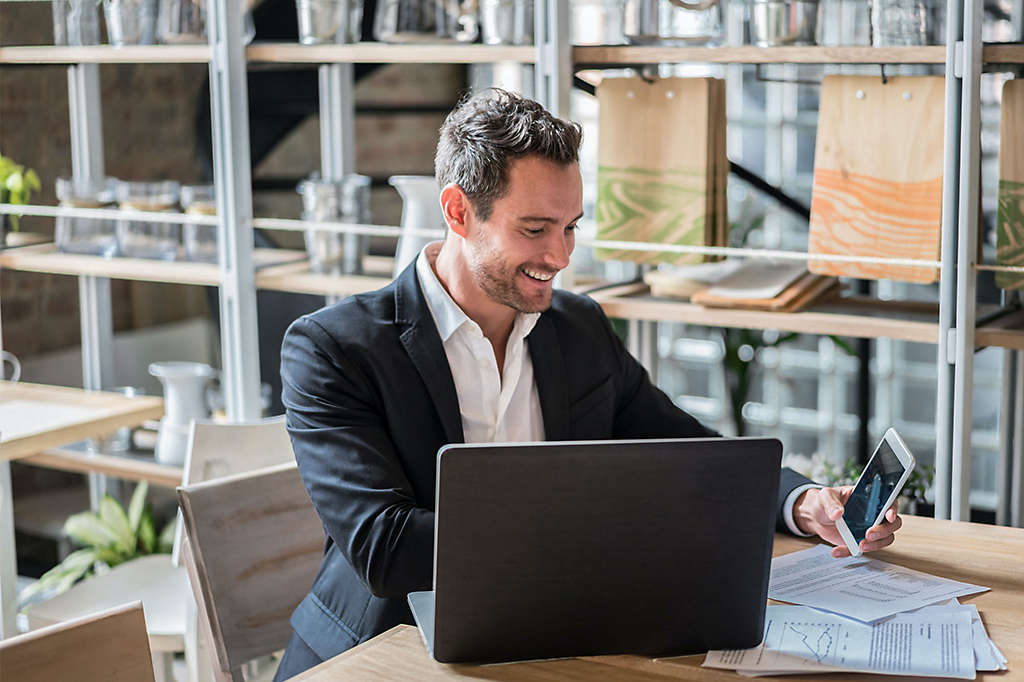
(488,129)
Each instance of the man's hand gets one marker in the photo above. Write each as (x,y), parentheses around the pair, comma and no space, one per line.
(817,510)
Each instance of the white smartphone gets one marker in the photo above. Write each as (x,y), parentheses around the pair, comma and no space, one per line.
(875,491)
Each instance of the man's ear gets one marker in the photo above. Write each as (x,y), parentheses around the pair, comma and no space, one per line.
(455,208)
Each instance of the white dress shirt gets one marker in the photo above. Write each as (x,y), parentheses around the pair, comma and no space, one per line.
(498,407)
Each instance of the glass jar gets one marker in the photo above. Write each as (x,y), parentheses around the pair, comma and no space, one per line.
(93,236)
(200,240)
(185,21)
(346,200)
(130,22)
(506,22)
(329,21)
(425,21)
(672,22)
(76,22)
(145,239)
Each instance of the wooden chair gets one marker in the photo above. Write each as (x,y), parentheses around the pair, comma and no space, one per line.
(109,646)
(158,581)
(254,545)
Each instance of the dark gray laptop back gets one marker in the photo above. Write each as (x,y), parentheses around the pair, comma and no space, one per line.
(654,547)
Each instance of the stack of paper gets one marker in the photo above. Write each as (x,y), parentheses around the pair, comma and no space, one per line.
(864,615)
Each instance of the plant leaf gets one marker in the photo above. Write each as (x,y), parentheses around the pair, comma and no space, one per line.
(77,564)
(166,543)
(32,180)
(112,514)
(137,504)
(147,533)
(89,530)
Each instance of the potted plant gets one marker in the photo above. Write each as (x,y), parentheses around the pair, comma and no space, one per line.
(16,186)
(108,538)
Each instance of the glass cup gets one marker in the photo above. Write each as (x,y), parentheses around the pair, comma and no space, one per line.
(200,240)
(130,22)
(329,21)
(346,200)
(94,236)
(76,22)
(899,22)
(506,22)
(144,239)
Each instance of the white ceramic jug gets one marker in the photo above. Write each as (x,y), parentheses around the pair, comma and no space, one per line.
(421,210)
(184,400)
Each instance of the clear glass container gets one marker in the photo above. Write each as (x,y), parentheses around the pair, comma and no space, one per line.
(130,22)
(899,22)
(346,200)
(94,236)
(185,21)
(200,240)
(845,22)
(426,21)
(329,21)
(506,22)
(145,239)
(596,22)
(76,22)
(672,22)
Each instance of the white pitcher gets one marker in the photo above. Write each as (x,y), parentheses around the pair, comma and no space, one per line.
(421,210)
(184,400)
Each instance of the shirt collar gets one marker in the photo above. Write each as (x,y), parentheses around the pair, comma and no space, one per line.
(447,314)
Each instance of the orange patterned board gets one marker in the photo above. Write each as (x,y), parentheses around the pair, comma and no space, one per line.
(1010,215)
(878,175)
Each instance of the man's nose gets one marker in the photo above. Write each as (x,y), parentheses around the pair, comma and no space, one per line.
(559,248)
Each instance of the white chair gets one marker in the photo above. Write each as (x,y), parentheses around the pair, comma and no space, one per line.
(254,544)
(110,646)
(158,581)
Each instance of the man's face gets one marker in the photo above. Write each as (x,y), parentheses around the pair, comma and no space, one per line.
(513,255)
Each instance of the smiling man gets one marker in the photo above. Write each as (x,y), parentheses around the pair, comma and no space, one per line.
(469,344)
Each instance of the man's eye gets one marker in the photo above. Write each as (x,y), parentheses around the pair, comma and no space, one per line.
(572,228)
(534,231)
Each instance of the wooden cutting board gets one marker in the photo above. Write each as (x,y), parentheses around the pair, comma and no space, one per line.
(807,290)
(1010,216)
(656,182)
(878,175)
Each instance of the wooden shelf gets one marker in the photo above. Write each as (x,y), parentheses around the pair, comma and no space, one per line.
(298,279)
(119,466)
(295,53)
(857,317)
(1008,53)
(748,54)
(45,258)
(106,54)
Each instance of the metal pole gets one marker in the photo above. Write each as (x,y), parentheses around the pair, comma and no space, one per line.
(553,72)
(337,144)
(947,283)
(87,163)
(8,564)
(1017,466)
(233,179)
(967,249)
(1004,471)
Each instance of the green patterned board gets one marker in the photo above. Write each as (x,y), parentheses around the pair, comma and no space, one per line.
(663,206)
(1010,233)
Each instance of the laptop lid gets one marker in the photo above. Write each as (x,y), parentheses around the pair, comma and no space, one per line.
(653,547)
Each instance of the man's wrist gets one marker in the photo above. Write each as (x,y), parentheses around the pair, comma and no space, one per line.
(798,515)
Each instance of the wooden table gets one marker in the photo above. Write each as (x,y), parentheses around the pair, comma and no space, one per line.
(992,556)
(35,418)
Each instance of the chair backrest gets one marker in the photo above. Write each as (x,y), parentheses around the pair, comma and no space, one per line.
(254,545)
(217,449)
(107,646)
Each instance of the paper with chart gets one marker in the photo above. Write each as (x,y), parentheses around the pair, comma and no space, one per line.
(987,655)
(860,587)
(804,640)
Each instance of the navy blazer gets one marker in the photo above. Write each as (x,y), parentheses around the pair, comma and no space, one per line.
(370,399)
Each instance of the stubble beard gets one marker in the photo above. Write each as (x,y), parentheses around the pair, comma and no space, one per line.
(497,279)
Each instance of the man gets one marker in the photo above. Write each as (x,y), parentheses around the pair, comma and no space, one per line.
(470,343)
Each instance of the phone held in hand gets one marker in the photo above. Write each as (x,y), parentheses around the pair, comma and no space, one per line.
(876,490)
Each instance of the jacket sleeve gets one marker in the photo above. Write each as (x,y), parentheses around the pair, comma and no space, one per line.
(643,410)
(349,465)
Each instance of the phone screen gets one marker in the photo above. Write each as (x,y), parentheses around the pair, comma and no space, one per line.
(880,477)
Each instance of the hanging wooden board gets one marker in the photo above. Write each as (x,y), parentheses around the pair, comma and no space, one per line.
(654,180)
(878,175)
(1010,216)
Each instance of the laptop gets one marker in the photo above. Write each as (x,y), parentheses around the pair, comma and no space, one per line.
(560,549)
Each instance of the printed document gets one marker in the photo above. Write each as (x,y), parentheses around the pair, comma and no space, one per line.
(858,587)
(804,640)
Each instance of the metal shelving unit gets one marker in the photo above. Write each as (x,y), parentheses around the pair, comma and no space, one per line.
(242,269)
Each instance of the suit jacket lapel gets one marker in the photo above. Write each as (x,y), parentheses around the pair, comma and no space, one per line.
(549,373)
(423,344)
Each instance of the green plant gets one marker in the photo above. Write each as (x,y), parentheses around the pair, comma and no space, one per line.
(16,184)
(108,538)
